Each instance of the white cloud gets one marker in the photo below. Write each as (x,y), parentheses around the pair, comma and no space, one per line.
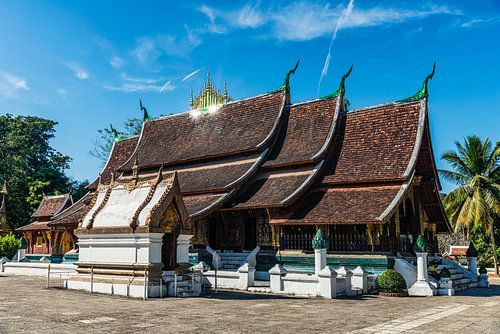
(116,62)
(305,20)
(61,91)
(10,83)
(134,84)
(79,71)
(167,87)
(190,75)
(150,48)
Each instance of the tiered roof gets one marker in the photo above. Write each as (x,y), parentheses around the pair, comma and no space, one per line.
(312,161)
(49,206)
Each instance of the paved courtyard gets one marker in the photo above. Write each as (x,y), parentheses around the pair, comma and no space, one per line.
(26,306)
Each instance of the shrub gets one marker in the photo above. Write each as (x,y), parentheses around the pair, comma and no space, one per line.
(391,281)
(9,246)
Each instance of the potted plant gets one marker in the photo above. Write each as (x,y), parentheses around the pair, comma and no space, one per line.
(391,283)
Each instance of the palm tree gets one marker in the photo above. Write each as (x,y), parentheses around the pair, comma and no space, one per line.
(476,170)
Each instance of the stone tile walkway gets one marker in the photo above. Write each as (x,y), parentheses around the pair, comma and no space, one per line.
(26,306)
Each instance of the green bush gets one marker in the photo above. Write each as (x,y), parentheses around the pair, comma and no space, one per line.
(9,246)
(391,281)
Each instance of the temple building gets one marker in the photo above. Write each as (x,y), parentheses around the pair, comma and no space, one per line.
(45,240)
(264,171)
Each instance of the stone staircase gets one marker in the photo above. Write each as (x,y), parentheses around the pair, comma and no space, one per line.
(460,280)
(260,286)
(232,260)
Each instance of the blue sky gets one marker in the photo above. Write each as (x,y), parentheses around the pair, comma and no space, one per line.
(86,64)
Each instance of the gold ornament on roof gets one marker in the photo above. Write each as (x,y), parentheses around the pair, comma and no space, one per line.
(209,96)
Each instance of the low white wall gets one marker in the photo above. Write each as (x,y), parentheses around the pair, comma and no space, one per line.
(120,289)
(37,269)
(120,248)
(300,284)
(225,279)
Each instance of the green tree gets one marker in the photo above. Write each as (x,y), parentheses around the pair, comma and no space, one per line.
(473,205)
(28,160)
(106,137)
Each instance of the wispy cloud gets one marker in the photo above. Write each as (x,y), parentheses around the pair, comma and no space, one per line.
(131,84)
(10,83)
(304,20)
(478,21)
(167,87)
(150,48)
(116,62)
(190,75)
(79,72)
(345,15)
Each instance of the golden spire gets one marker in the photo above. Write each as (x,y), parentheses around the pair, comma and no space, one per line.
(208,96)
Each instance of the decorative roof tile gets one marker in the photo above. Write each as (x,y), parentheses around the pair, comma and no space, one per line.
(375,144)
(270,189)
(353,205)
(51,205)
(197,203)
(306,131)
(120,152)
(237,127)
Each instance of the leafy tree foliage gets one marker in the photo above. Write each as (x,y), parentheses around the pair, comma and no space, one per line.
(30,166)
(105,137)
(9,246)
(473,206)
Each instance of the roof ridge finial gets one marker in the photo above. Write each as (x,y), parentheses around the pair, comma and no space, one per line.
(145,116)
(423,92)
(341,88)
(225,91)
(286,85)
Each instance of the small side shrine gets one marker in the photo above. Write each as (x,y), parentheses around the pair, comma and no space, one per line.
(136,231)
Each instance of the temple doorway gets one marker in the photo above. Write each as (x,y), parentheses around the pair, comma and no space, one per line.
(169,251)
(250,234)
(212,234)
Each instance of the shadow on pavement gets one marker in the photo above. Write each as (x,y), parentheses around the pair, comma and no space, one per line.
(492,291)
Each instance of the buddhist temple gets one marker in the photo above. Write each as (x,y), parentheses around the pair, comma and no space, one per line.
(44,240)
(266,172)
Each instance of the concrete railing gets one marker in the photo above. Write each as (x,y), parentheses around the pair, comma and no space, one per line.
(328,283)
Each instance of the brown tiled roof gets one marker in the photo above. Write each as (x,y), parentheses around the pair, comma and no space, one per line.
(35,226)
(196,203)
(375,144)
(340,206)
(237,127)
(119,154)
(51,205)
(270,189)
(307,130)
(72,215)
(206,178)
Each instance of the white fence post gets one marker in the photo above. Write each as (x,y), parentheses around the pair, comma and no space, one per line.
(275,274)
(327,281)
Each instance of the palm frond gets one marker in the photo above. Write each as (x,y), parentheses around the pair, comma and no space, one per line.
(452,176)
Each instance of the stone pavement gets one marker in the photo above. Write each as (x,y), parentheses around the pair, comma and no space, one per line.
(26,306)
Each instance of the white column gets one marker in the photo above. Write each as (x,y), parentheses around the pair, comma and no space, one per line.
(246,275)
(183,244)
(327,280)
(360,279)
(421,287)
(275,274)
(319,260)
(347,274)
(473,264)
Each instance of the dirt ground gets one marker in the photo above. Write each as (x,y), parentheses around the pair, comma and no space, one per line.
(27,307)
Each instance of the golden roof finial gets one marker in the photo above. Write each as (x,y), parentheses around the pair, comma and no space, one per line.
(208,96)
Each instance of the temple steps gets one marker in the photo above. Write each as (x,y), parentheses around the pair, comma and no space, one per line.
(460,282)
(232,260)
